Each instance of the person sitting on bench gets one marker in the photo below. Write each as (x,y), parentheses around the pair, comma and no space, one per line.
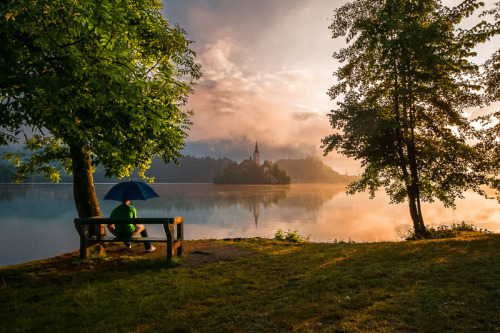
(125,212)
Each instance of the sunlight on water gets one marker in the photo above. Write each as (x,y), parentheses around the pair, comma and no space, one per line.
(37,220)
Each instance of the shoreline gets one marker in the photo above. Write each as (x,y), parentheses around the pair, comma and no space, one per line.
(192,247)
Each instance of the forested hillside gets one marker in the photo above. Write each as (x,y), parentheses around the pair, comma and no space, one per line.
(203,170)
(312,170)
(192,170)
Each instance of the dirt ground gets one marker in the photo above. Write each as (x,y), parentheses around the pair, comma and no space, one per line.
(197,253)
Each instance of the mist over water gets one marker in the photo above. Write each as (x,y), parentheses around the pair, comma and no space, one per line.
(37,219)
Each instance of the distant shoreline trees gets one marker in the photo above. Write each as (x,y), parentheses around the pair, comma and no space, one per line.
(204,170)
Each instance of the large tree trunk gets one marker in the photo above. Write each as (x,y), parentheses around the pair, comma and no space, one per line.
(416,212)
(409,161)
(413,189)
(83,183)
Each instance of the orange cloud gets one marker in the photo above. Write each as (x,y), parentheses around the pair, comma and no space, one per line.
(279,108)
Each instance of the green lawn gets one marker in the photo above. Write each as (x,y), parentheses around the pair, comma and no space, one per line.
(426,286)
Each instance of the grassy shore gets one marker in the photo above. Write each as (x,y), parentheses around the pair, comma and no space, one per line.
(450,285)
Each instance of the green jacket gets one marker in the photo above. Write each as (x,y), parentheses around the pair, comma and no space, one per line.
(124,212)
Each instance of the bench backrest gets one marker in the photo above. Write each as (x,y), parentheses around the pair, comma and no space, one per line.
(139,220)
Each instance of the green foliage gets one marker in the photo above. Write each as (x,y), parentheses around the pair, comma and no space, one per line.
(312,170)
(489,141)
(107,76)
(251,173)
(491,77)
(406,84)
(99,83)
(290,236)
(485,30)
(444,231)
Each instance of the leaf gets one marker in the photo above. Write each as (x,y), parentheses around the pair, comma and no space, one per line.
(11,16)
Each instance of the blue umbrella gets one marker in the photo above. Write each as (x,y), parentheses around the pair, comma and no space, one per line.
(130,190)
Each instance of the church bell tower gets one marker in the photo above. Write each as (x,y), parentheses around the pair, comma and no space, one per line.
(256,154)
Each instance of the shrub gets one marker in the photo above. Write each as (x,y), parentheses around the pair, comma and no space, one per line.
(444,231)
(290,236)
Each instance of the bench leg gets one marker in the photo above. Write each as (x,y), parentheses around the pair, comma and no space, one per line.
(84,250)
(180,237)
(169,231)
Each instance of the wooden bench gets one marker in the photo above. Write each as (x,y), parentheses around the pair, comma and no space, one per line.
(174,244)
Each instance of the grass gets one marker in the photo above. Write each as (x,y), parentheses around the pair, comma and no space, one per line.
(443,285)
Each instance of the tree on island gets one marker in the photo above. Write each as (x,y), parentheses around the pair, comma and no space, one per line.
(406,83)
(251,173)
(101,83)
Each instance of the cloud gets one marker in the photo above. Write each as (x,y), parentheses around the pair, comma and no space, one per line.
(260,104)
(267,67)
(304,116)
(217,62)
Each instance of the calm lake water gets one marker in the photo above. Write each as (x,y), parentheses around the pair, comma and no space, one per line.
(37,219)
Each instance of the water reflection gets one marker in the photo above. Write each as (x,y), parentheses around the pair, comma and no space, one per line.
(37,220)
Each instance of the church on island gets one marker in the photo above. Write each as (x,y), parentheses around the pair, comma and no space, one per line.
(256,157)
(251,171)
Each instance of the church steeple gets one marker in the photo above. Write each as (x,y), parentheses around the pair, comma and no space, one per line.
(256,154)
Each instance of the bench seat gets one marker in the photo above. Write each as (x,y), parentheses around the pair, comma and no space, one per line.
(128,239)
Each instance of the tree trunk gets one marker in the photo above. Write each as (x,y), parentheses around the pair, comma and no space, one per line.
(416,212)
(83,183)
(414,190)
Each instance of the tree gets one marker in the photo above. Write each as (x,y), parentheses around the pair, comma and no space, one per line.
(483,31)
(98,82)
(251,173)
(278,176)
(490,79)
(406,83)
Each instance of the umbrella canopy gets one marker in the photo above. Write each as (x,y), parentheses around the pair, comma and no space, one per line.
(130,190)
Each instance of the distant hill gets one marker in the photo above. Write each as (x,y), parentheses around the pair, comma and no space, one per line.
(192,170)
(312,170)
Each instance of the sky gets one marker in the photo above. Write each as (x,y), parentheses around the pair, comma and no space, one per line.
(267,67)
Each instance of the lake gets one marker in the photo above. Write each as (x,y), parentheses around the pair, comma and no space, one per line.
(37,219)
